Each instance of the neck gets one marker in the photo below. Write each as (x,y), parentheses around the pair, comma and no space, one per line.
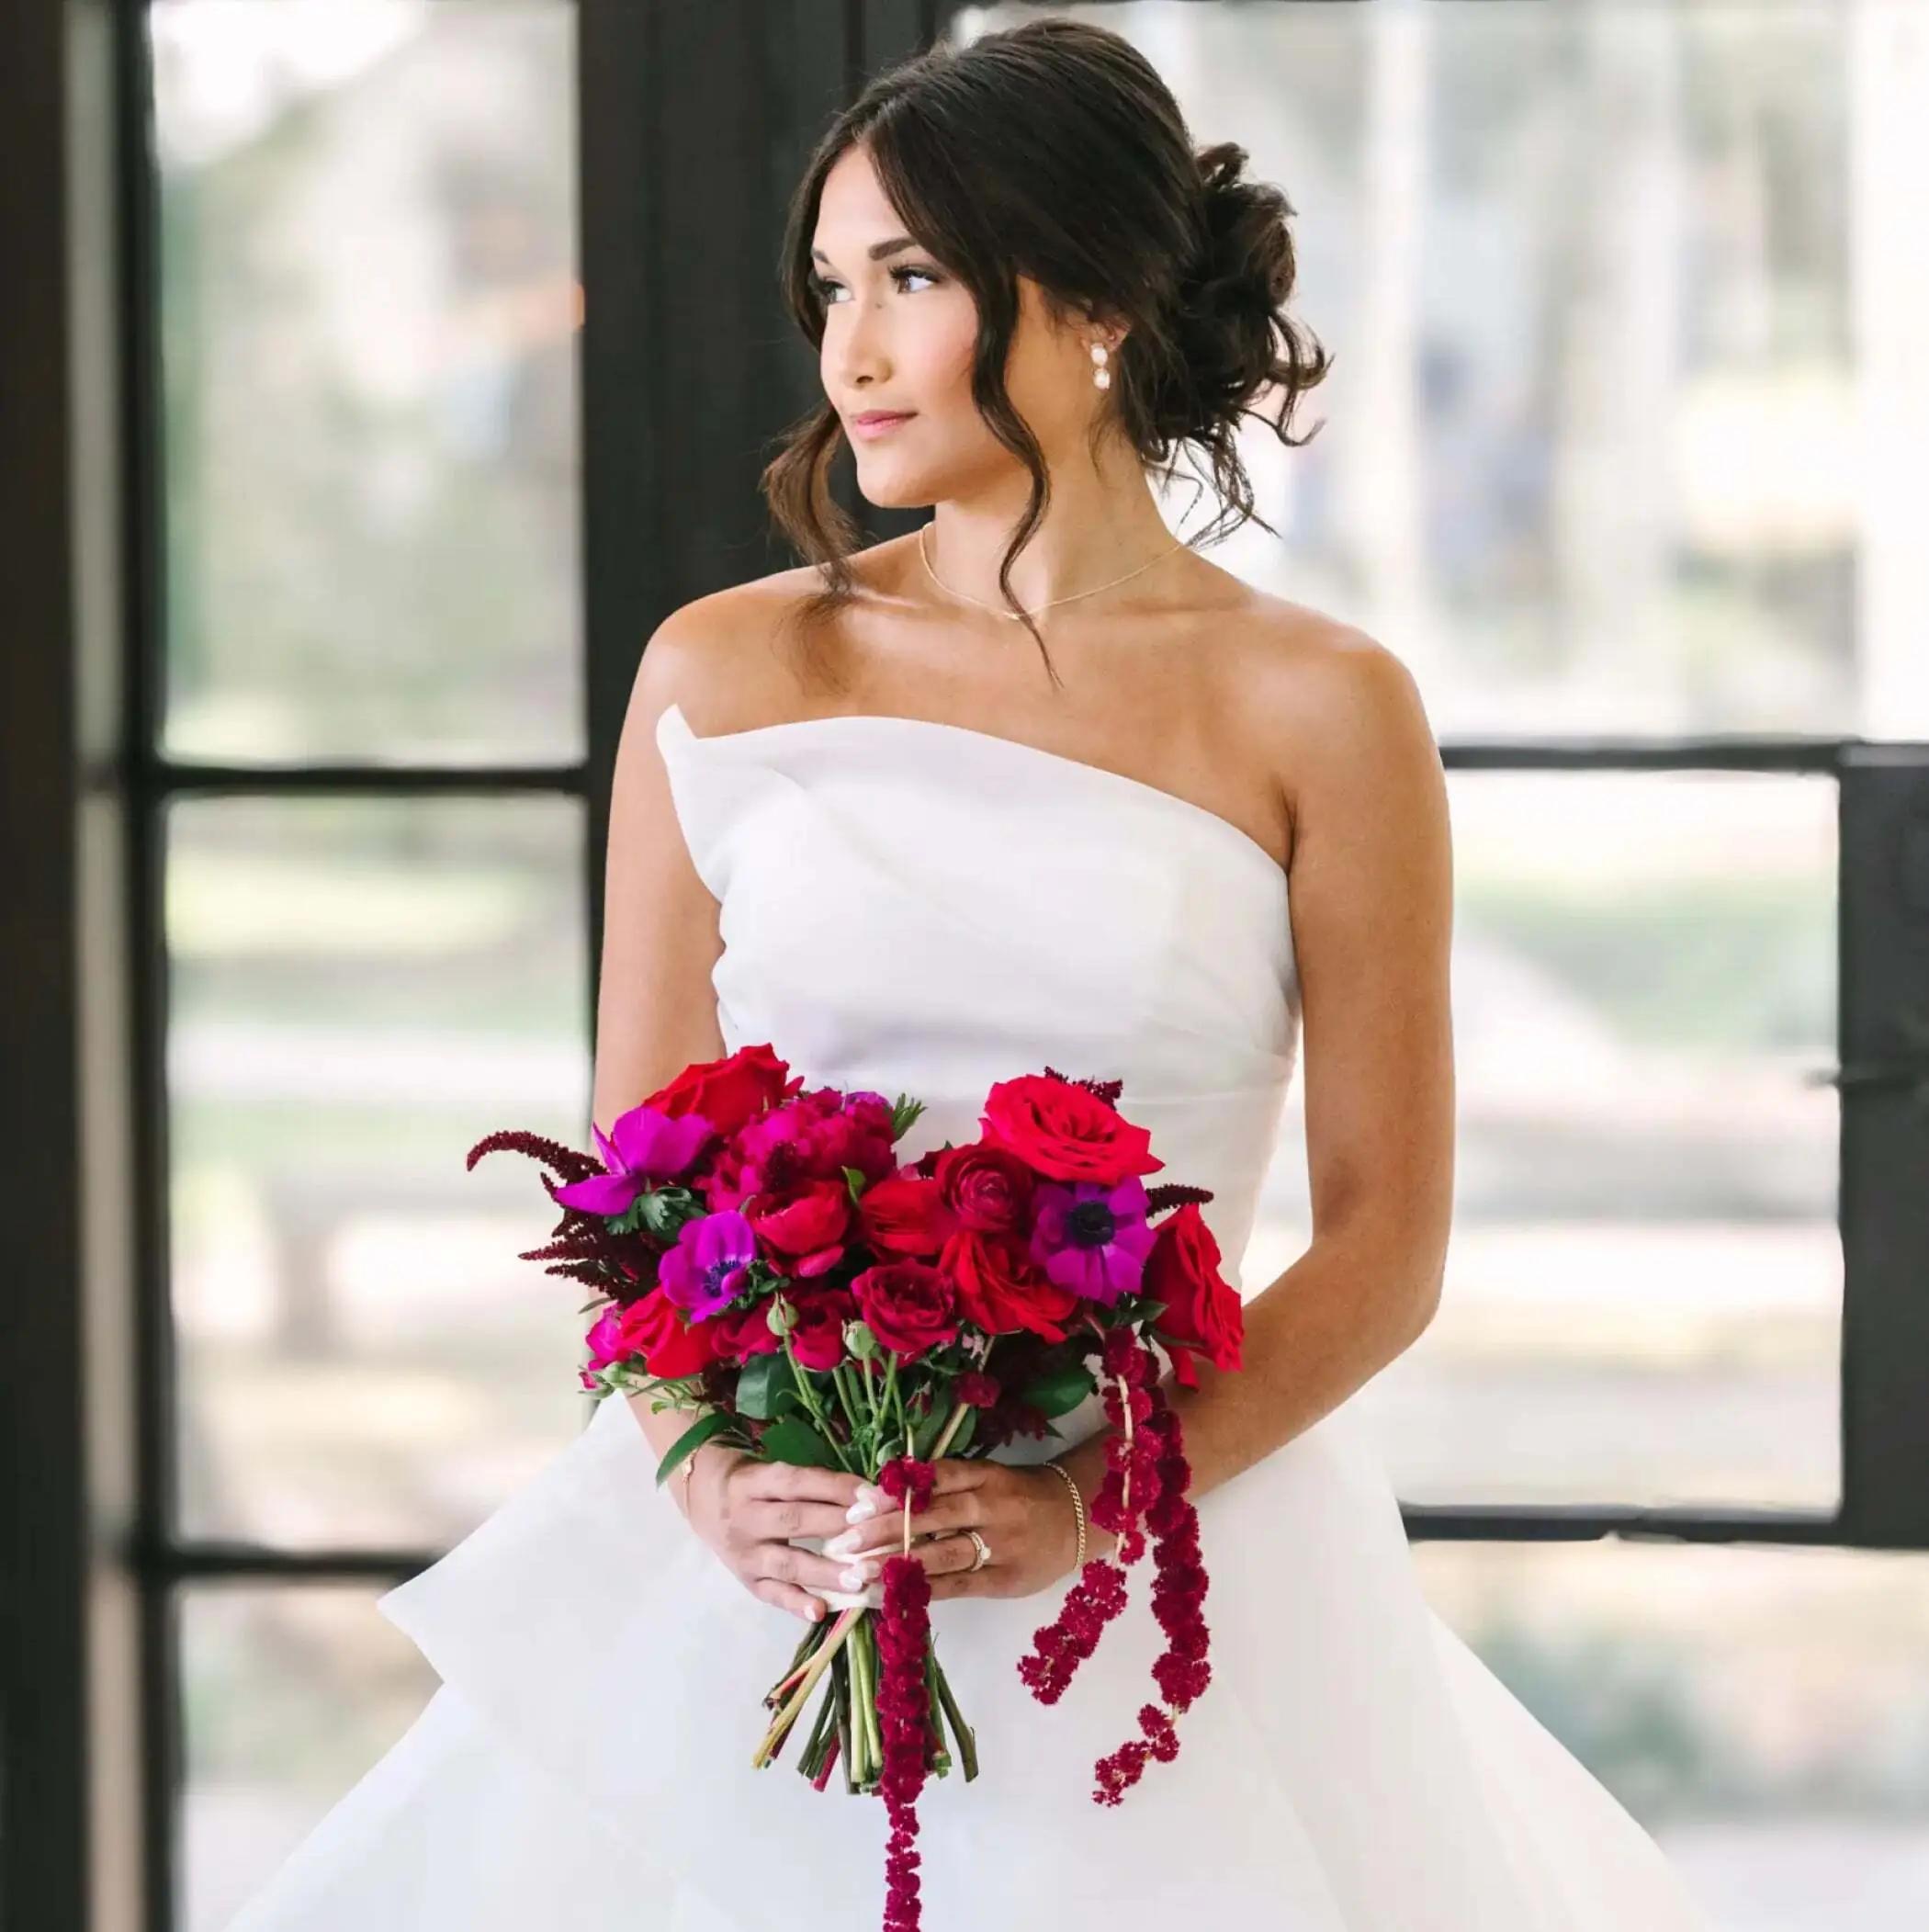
(1094,530)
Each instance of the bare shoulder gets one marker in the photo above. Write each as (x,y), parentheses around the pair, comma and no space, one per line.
(725,658)
(713,655)
(1324,705)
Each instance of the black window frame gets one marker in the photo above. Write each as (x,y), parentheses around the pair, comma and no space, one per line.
(686,371)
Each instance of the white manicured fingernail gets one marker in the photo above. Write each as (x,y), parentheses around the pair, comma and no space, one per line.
(854,1578)
(843,1546)
(860,1511)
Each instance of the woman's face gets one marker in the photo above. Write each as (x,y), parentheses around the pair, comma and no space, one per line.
(899,336)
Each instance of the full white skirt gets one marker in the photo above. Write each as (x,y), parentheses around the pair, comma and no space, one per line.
(586,1764)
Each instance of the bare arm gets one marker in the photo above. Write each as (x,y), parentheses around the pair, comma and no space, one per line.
(656,1008)
(1372,909)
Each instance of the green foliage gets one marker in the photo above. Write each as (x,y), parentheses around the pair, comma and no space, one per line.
(793,1439)
(763,1384)
(691,1440)
(1060,1390)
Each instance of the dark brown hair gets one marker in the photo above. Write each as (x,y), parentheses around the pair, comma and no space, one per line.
(1054,149)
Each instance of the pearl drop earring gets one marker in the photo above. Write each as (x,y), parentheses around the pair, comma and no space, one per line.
(1101,376)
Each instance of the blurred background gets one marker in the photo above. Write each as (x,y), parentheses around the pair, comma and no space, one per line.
(402,361)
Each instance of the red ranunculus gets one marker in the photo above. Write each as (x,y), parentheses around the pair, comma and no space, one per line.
(817,1338)
(670,1346)
(905,1213)
(806,1225)
(1000,1289)
(727,1092)
(1203,1309)
(909,1305)
(1066,1131)
(987,1186)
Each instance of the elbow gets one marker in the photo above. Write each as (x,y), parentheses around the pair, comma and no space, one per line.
(1420,1301)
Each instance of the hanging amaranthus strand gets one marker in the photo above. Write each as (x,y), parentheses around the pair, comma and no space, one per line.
(1182,1671)
(1130,1486)
(904,1693)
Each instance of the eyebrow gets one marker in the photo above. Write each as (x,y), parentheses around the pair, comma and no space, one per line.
(877,250)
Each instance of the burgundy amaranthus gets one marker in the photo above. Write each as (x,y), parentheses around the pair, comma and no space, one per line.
(902,1699)
(1147,1477)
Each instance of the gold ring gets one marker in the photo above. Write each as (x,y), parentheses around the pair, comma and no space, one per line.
(984,1550)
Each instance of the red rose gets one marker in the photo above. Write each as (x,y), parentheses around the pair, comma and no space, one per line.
(999,1290)
(744,1332)
(987,1186)
(806,1225)
(727,1092)
(909,1305)
(904,1215)
(1202,1310)
(1066,1131)
(817,1337)
(670,1346)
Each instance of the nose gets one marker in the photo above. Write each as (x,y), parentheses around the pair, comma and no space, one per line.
(859,349)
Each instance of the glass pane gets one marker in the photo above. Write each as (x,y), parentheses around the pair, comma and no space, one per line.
(289,1693)
(1627,423)
(1763,1712)
(1644,1287)
(369,308)
(362,989)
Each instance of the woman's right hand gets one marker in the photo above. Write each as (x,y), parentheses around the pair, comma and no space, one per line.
(746,1509)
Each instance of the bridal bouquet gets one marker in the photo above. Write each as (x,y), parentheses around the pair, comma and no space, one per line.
(763,1260)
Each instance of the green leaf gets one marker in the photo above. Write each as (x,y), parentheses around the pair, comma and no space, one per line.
(692,1439)
(1061,1391)
(793,1439)
(763,1380)
(854,1180)
(927,1430)
(966,1430)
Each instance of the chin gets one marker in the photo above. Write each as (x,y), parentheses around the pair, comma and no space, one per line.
(886,489)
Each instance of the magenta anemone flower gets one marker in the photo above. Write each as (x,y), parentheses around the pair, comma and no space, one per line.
(1091,1237)
(704,1272)
(644,1149)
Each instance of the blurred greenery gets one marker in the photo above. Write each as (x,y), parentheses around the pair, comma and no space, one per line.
(1698,966)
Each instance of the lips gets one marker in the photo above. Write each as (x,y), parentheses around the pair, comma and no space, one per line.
(872,416)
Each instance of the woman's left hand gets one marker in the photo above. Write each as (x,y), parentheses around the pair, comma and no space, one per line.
(1022,1511)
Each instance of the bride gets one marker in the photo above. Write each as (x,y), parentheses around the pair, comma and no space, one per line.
(1036,784)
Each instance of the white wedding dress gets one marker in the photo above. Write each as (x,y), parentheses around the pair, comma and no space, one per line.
(923,907)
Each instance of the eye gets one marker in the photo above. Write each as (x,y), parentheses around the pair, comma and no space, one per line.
(822,284)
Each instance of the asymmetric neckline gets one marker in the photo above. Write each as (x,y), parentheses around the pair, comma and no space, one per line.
(1213,824)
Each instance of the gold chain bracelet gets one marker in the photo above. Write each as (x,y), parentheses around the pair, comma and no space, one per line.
(1071,1483)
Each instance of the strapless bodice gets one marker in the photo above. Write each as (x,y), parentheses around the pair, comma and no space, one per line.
(923,908)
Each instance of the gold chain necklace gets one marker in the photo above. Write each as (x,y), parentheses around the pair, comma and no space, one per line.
(998,610)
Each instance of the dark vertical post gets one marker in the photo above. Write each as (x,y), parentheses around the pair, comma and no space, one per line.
(71,1846)
(1884,1081)
(693,126)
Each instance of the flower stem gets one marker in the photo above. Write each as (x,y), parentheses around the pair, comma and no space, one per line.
(802,1377)
(860,1696)
(951,1429)
(785,1718)
(892,1407)
(841,1690)
(812,1759)
(840,1381)
(867,1703)
(968,1738)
